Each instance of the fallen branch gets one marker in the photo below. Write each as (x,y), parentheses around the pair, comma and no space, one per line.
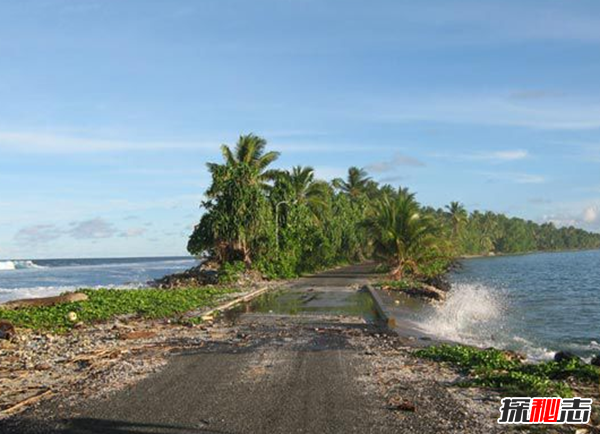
(29,401)
(110,353)
(208,315)
(71,297)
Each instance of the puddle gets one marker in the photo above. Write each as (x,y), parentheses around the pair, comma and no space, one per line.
(290,302)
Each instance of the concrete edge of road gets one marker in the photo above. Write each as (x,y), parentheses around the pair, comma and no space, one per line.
(210,314)
(383,311)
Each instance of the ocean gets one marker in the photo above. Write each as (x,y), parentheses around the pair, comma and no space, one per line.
(536,304)
(46,277)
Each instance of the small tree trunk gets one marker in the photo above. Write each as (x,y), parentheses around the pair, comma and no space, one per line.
(397,272)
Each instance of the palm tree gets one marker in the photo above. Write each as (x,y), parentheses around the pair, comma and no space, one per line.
(490,229)
(298,187)
(458,217)
(355,184)
(249,152)
(236,203)
(306,190)
(403,237)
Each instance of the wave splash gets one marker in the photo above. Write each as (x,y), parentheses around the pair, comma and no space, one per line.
(476,314)
(471,314)
(18,265)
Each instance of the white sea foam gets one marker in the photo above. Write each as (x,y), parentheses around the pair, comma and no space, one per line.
(7,294)
(17,265)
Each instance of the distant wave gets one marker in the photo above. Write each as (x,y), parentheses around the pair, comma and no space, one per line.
(18,265)
(7,294)
(96,263)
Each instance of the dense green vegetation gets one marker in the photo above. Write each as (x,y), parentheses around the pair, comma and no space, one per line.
(282,223)
(494,368)
(487,232)
(104,304)
(285,223)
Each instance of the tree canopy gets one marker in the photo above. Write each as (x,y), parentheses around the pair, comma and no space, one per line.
(287,222)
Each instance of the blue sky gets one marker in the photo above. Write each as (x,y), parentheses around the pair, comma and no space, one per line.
(109,109)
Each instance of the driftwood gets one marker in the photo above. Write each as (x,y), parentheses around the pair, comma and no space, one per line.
(70,297)
(7,330)
(427,291)
(209,315)
(422,290)
(110,353)
(29,401)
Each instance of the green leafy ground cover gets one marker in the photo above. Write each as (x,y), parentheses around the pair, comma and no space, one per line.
(495,369)
(104,304)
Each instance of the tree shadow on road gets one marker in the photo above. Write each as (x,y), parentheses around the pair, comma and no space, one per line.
(106,426)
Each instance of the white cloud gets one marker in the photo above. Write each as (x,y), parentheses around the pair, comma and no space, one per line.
(526,178)
(96,228)
(132,232)
(393,163)
(574,113)
(590,214)
(584,214)
(491,156)
(92,229)
(24,142)
(500,156)
(328,173)
(514,177)
(50,143)
(38,234)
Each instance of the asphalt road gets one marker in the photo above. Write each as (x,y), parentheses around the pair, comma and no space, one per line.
(300,375)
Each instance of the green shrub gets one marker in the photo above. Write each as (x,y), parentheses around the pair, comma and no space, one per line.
(493,368)
(434,268)
(278,268)
(230,272)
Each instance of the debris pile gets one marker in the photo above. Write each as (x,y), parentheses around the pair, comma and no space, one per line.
(196,276)
(35,366)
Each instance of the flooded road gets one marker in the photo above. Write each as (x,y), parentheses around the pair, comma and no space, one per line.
(335,292)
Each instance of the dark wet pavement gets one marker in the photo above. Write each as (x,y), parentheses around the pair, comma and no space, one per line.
(335,292)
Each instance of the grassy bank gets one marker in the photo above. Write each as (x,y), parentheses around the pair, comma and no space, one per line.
(104,304)
(500,370)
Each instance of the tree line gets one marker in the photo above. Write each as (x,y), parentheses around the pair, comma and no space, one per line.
(286,222)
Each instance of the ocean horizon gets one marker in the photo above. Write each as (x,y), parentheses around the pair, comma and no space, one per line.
(26,278)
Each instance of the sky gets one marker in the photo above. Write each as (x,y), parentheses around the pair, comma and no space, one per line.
(110,109)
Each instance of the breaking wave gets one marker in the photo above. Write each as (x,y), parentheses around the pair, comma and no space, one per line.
(18,265)
(7,294)
(476,314)
(472,314)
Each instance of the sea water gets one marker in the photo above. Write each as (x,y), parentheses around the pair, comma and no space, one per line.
(536,304)
(39,278)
